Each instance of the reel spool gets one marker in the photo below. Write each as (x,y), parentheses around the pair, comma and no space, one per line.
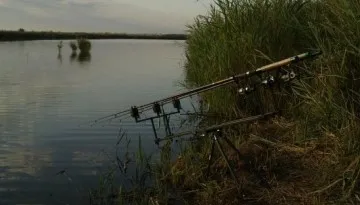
(288,76)
(245,91)
(268,82)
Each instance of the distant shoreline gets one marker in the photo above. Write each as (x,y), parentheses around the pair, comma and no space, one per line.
(49,35)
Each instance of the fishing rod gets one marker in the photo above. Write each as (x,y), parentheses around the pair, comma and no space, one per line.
(135,110)
(220,126)
(149,106)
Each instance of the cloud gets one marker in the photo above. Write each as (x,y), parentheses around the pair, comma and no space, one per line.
(98,15)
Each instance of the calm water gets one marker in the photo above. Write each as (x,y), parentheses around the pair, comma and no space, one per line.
(45,97)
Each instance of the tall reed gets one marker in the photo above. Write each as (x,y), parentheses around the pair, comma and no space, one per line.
(323,107)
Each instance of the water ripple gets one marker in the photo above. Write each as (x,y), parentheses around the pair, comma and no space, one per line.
(44,103)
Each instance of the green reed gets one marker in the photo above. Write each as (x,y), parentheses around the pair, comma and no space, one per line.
(237,36)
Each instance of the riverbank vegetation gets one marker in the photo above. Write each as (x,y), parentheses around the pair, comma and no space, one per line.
(310,154)
(73,46)
(84,45)
(22,35)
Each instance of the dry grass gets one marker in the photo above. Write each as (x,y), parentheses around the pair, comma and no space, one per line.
(272,170)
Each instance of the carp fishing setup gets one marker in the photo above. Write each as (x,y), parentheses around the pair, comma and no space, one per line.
(158,106)
(283,74)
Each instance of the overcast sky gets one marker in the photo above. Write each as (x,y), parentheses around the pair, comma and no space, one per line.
(129,16)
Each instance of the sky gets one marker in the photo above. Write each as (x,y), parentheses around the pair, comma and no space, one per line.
(126,16)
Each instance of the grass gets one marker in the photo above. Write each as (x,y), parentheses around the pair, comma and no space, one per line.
(307,155)
(55,35)
(144,178)
(320,114)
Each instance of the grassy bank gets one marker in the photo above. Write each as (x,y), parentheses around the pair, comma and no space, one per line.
(49,35)
(310,154)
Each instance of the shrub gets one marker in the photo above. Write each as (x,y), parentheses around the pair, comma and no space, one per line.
(73,46)
(84,45)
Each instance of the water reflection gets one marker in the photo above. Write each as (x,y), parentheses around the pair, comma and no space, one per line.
(84,57)
(59,57)
(21,161)
(41,107)
(21,44)
(73,56)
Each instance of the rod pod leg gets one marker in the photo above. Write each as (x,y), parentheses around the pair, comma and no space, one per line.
(210,156)
(167,124)
(232,146)
(226,160)
(264,181)
(153,126)
(166,120)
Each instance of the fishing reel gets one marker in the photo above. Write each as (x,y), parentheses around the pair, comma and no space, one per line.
(281,76)
(249,88)
(268,82)
(246,90)
(288,76)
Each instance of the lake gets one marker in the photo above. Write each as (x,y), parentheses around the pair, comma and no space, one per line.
(47,100)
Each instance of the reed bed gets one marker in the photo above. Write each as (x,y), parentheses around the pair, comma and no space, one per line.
(320,112)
